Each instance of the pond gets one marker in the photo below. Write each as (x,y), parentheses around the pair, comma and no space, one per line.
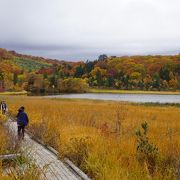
(139,98)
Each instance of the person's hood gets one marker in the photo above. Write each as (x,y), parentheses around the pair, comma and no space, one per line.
(20,110)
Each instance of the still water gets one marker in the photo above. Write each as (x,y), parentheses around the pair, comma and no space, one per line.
(141,98)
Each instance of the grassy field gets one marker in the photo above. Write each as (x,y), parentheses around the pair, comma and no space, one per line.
(99,136)
(13,93)
(132,91)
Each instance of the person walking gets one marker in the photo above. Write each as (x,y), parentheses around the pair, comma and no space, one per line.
(22,122)
(3,107)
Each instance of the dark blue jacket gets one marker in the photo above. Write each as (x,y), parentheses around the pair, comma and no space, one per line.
(22,119)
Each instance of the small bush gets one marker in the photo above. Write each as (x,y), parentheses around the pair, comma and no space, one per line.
(73,85)
(147,152)
(78,150)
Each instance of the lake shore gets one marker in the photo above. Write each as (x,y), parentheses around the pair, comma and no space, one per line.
(136,98)
(110,91)
(14,93)
(113,91)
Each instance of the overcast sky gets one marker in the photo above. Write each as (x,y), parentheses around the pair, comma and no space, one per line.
(83,29)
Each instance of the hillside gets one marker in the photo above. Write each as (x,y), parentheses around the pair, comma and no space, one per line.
(38,74)
(30,64)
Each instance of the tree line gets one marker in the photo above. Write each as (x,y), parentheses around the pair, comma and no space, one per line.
(52,76)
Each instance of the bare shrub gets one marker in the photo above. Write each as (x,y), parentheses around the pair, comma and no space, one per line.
(105,130)
(121,113)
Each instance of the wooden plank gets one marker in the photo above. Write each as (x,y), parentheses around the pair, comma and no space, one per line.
(77,170)
(9,156)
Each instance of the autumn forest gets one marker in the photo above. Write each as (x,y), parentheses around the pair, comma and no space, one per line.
(39,75)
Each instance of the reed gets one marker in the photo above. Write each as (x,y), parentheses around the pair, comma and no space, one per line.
(99,136)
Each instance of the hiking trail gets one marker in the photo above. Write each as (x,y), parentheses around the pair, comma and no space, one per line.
(47,161)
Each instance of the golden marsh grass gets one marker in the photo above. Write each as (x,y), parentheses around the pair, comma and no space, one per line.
(86,132)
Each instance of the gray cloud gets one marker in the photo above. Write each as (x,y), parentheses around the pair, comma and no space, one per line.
(82,29)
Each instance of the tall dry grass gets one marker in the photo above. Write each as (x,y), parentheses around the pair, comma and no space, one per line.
(100,136)
(21,167)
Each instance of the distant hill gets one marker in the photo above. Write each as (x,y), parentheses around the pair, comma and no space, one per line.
(30,64)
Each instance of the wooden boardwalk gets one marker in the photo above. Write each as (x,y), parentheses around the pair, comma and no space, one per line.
(52,167)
